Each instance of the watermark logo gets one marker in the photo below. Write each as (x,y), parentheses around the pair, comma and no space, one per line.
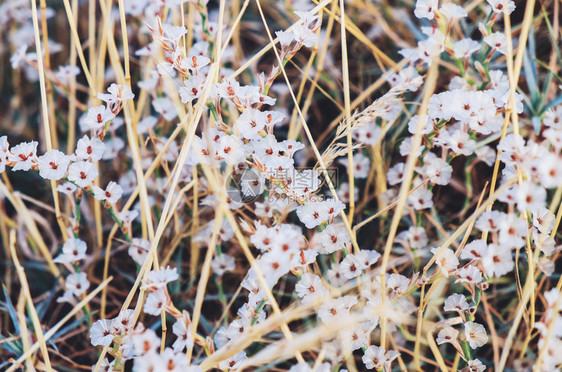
(248,185)
(245,187)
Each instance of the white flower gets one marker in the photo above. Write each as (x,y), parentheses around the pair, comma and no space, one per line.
(305,182)
(335,308)
(335,276)
(333,238)
(437,169)
(550,170)
(274,266)
(174,362)
(128,216)
(82,173)
(146,124)
(448,335)
(251,123)
(543,220)
(475,334)
(156,302)
(89,149)
(460,143)
(111,194)
(233,362)
(182,329)
(24,155)
(145,342)
(195,62)
(117,93)
(397,284)
(553,117)
(456,302)
(490,221)
(18,57)
(486,154)
(496,41)
(222,263)
(77,283)
(286,38)
(452,11)
(406,147)
(431,47)
(361,165)
(4,148)
(72,250)
(100,334)
(310,287)
(425,128)
(97,117)
(530,196)
(379,358)
(165,107)
(66,188)
(474,250)
(191,89)
(369,133)
(359,335)
(512,231)
(417,237)
(304,35)
(158,279)
(425,9)
(139,250)
(344,194)
(497,260)
(502,6)
(475,365)
(53,165)
(465,48)
(447,261)
(470,274)
(395,174)
(406,79)
(106,366)
(421,198)
(312,213)
(351,267)
(123,323)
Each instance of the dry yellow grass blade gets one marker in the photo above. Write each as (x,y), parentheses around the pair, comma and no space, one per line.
(436,353)
(266,48)
(379,55)
(429,88)
(347,113)
(30,306)
(78,45)
(31,226)
(79,306)
(48,125)
(22,321)
(205,273)
(294,124)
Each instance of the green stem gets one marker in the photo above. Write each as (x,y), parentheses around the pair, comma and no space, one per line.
(466,349)
(258,311)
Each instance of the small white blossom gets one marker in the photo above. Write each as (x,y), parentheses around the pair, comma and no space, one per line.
(82,173)
(53,165)
(475,334)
